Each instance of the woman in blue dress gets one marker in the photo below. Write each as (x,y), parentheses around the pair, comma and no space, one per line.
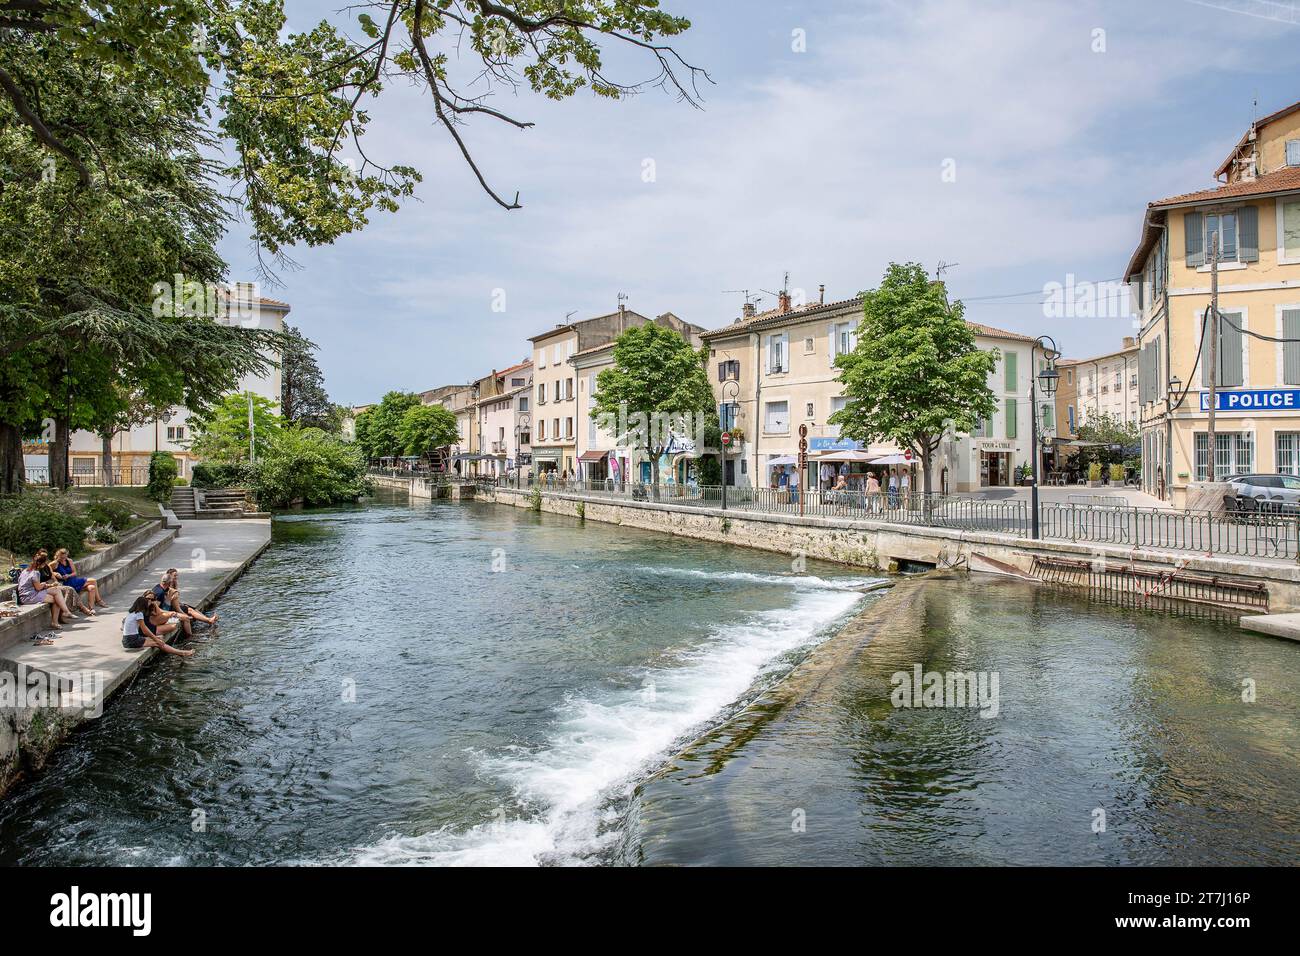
(88,588)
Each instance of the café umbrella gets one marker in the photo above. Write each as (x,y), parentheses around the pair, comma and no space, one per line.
(891,460)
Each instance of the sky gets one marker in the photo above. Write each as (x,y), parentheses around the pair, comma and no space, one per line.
(1017,142)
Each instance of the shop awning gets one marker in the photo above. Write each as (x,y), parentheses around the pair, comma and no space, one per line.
(843,456)
(593,456)
(782,461)
(892,460)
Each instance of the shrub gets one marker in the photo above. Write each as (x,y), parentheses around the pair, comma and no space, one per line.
(535,499)
(225,474)
(1117,473)
(41,519)
(308,465)
(102,533)
(162,469)
(1094,471)
(109,512)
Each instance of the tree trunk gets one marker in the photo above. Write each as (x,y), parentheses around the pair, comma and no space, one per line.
(59,454)
(927,453)
(106,456)
(12,472)
(654,473)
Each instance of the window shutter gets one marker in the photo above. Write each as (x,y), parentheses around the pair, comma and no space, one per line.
(1230,370)
(832,338)
(1009,363)
(767,354)
(1291,349)
(1248,224)
(721,375)
(1012,413)
(1194,237)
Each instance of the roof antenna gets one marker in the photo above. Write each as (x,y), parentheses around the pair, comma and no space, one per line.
(943,267)
(622,297)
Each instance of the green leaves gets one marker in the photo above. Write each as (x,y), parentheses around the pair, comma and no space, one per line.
(915,371)
(424,428)
(379,429)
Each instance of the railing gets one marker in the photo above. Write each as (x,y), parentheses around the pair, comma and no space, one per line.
(131,476)
(1246,534)
(1236,533)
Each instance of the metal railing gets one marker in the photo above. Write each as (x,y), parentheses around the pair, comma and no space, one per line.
(1251,534)
(1233,533)
(128,476)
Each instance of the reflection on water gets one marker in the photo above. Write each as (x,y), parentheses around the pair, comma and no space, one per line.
(1102,710)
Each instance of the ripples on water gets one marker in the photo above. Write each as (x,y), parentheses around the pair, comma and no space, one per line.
(513,716)
(498,717)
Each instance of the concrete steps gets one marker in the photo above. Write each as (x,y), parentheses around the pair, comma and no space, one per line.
(183,503)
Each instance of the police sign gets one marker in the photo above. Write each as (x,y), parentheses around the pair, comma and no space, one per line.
(1253,400)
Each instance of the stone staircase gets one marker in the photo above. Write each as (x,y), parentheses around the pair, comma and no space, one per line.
(190,504)
(183,504)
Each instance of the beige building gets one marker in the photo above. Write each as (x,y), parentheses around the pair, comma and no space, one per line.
(502,435)
(559,414)
(1255,216)
(1108,385)
(599,452)
(774,371)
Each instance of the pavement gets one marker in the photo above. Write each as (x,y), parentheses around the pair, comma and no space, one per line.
(208,554)
(1277,625)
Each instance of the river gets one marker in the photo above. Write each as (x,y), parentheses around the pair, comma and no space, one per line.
(439,683)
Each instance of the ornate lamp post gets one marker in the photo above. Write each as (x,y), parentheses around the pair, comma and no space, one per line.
(730,389)
(1047,379)
(521,426)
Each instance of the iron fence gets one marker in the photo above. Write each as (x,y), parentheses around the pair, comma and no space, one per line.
(1250,534)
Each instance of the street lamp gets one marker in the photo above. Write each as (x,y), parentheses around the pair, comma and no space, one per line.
(1175,384)
(730,390)
(521,426)
(1046,379)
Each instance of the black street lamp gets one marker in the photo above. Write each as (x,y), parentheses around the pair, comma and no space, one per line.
(730,390)
(521,428)
(1046,379)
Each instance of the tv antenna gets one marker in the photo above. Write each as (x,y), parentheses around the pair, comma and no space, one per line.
(943,267)
(622,297)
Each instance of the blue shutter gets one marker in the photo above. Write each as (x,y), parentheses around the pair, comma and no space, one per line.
(1248,224)
(1193,234)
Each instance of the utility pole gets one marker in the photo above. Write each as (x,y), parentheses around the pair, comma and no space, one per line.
(1212,365)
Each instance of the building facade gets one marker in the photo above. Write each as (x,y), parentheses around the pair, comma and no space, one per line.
(774,371)
(1253,220)
(1108,385)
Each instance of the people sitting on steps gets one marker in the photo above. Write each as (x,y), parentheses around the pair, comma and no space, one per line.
(167,593)
(65,572)
(139,633)
(33,590)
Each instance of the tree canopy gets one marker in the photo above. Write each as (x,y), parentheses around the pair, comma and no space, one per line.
(379,428)
(221,433)
(303,399)
(915,371)
(656,387)
(426,428)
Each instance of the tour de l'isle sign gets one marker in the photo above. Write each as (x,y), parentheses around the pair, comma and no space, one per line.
(1253,400)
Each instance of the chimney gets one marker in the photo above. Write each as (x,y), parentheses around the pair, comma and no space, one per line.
(821,294)
(748,311)
(783,302)
(1129,341)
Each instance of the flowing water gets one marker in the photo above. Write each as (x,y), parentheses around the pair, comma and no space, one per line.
(439,683)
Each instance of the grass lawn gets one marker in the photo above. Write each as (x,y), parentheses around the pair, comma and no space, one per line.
(137,499)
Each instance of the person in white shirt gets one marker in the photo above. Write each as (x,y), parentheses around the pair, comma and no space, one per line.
(137,632)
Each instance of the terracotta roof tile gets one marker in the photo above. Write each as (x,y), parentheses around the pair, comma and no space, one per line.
(1280,180)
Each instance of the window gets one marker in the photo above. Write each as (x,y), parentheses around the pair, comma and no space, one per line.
(558,394)
(525,438)
(175,433)
(1012,414)
(1225,224)
(728,414)
(777,353)
(843,338)
(568,389)
(1293,152)
(1119,379)
(517,383)
(591,431)
(555,428)
(541,429)
(777,418)
(808,346)
(523,403)
(1234,454)
(541,394)
(810,410)
(568,427)
(1288,453)
(1288,240)
(1069,417)
(980,430)
(729,371)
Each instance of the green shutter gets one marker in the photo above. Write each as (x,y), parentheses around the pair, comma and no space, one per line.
(1291,349)
(1011,417)
(1009,360)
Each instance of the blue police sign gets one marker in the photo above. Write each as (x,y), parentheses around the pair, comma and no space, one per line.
(1253,400)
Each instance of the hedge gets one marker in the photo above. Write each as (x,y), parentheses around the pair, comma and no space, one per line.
(224,474)
(41,519)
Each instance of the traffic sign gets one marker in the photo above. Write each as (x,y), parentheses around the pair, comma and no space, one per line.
(726,438)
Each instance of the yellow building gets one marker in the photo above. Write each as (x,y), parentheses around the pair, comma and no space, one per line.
(1255,213)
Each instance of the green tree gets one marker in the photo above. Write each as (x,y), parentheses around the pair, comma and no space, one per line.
(291,104)
(915,372)
(656,387)
(1116,439)
(383,434)
(425,428)
(307,466)
(221,433)
(303,400)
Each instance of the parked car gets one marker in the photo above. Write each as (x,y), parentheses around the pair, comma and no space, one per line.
(1267,492)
